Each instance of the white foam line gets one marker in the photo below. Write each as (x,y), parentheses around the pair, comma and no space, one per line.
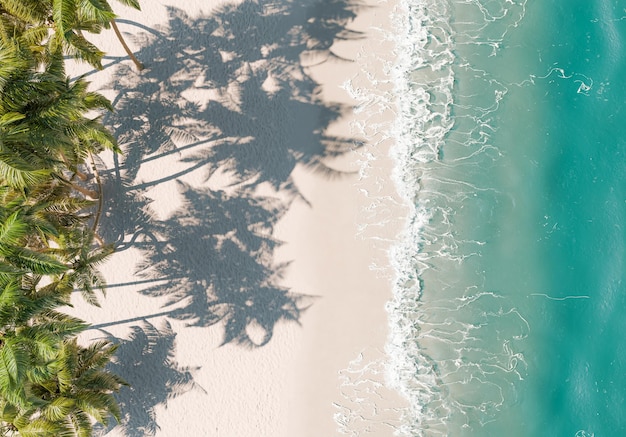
(424,79)
(559,298)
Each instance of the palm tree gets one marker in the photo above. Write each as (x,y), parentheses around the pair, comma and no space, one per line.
(49,385)
(80,392)
(31,331)
(16,257)
(68,396)
(67,19)
(43,129)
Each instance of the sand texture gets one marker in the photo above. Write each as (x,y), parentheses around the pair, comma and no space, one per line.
(252,210)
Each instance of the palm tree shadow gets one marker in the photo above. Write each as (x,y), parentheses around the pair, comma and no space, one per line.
(219,258)
(146,360)
(234,84)
(136,225)
(229,93)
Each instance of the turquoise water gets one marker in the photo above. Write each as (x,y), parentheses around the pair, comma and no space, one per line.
(508,309)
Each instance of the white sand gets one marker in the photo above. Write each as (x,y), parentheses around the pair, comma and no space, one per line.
(337,245)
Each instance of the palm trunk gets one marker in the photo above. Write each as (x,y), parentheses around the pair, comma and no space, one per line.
(82,176)
(82,190)
(130,54)
(85,191)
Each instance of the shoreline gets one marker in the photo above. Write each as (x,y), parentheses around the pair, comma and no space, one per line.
(360,400)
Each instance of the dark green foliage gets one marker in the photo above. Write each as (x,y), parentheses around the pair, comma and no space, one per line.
(56,27)
(50,386)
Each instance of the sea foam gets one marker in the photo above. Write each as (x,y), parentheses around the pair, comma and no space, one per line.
(453,355)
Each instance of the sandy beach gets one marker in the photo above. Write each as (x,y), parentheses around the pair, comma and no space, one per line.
(252,210)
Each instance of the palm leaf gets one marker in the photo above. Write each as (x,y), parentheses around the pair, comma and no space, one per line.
(34,36)
(35,262)
(10,117)
(10,63)
(132,3)
(9,273)
(39,427)
(79,48)
(96,355)
(98,11)
(11,298)
(97,101)
(81,423)
(14,363)
(30,11)
(64,15)
(12,230)
(17,173)
(59,408)
(9,361)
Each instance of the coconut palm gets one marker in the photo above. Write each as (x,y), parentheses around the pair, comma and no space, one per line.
(68,396)
(31,331)
(43,128)
(16,257)
(49,386)
(67,19)
(58,226)
(78,394)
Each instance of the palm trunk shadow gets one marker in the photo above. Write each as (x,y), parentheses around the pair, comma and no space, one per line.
(230,94)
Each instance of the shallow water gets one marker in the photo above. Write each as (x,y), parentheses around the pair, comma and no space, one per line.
(511,143)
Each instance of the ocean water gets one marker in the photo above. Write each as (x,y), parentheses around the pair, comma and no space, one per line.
(507,316)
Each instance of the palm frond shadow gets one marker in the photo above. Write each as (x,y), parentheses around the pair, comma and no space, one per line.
(146,360)
(230,93)
(235,84)
(127,219)
(219,258)
(233,92)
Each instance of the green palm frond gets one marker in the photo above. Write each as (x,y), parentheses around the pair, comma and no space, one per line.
(8,412)
(17,173)
(81,424)
(64,15)
(45,335)
(34,37)
(97,101)
(59,408)
(96,356)
(10,117)
(39,427)
(11,297)
(84,275)
(12,230)
(10,63)
(79,47)
(98,11)
(30,11)
(93,136)
(132,3)
(54,68)
(9,273)
(34,261)
(14,363)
